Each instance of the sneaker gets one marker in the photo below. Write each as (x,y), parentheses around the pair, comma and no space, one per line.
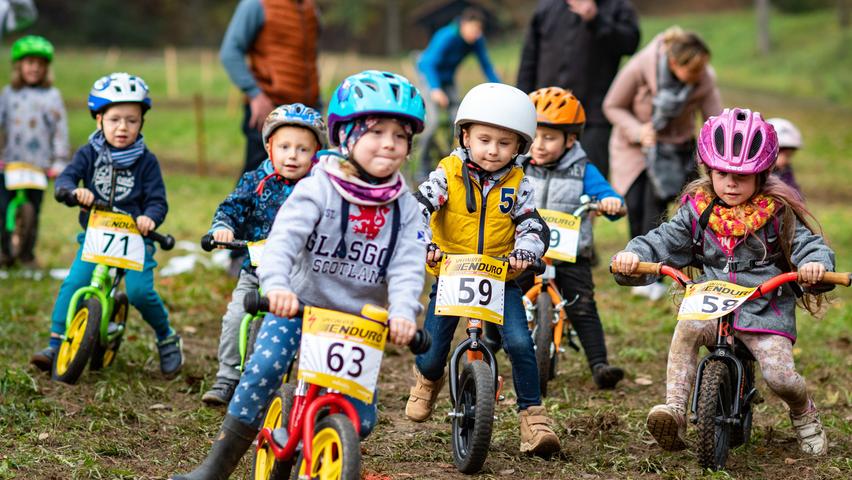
(668,427)
(536,435)
(606,376)
(220,393)
(171,355)
(810,433)
(43,360)
(654,291)
(422,397)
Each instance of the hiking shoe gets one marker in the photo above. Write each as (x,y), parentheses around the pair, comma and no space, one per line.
(220,393)
(422,397)
(171,355)
(810,433)
(43,360)
(536,435)
(606,376)
(668,427)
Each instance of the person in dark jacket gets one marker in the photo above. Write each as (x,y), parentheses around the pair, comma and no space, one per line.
(578,45)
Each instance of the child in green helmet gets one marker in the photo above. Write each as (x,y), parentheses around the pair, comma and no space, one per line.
(34,124)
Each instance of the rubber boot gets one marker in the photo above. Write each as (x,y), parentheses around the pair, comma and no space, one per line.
(423,396)
(233,440)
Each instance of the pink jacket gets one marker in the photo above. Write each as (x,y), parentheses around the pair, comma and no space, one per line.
(628,106)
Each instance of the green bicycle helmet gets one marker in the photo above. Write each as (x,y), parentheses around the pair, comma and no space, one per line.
(32,46)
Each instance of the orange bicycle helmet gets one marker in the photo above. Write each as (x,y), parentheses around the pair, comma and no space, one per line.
(559,108)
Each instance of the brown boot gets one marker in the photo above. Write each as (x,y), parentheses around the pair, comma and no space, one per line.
(423,396)
(668,427)
(536,435)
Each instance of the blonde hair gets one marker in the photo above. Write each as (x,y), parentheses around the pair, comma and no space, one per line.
(683,47)
(17,81)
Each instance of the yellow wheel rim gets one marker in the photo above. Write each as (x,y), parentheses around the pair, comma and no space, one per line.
(326,461)
(264,460)
(73,337)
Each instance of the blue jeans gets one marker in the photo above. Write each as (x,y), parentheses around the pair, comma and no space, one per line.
(516,341)
(139,287)
(276,346)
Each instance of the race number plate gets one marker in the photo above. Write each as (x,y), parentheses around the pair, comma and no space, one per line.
(564,235)
(113,239)
(713,299)
(256,251)
(19,175)
(472,286)
(342,352)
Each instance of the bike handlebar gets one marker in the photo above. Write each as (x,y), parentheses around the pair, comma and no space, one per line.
(166,242)
(209,244)
(254,302)
(595,207)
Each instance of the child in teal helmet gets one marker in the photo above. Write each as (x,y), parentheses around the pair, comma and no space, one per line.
(33,121)
(350,235)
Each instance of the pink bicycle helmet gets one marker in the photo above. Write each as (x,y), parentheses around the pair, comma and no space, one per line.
(738,141)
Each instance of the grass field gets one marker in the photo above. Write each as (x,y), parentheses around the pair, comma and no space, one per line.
(127,422)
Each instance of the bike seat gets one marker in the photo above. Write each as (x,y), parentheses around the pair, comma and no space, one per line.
(374,312)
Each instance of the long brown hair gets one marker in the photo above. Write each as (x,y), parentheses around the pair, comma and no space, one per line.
(791,208)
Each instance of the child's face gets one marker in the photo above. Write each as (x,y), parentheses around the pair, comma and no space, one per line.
(121,124)
(470,31)
(490,147)
(734,189)
(382,149)
(549,145)
(33,70)
(785,157)
(291,150)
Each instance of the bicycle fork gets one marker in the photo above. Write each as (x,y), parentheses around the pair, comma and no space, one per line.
(476,350)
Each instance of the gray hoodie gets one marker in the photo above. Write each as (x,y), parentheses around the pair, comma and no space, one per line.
(300,251)
(671,243)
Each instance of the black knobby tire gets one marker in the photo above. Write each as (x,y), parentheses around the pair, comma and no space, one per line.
(543,339)
(69,364)
(348,452)
(473,417)
(277,416)
(103,357)
(715,400)
(741,434)
(23,238)
(254,329)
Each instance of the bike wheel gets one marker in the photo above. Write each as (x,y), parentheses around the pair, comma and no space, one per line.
(543,339)
(714,408)
(24,236)
(80,340)
(473,417)
(336,451)
(741,434)
(103,357)
(265,465)
(254,329)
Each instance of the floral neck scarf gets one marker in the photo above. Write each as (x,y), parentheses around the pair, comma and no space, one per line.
(737,221)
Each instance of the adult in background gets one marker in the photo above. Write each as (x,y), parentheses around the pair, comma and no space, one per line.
(578,45)
(270,53)
(437,67)
(653,103)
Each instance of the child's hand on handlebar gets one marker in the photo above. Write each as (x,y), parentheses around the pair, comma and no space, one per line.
(145,224)
(625,263)
(401,330)
(433,255)
(609,206)
(283,303)
(84,196)
(223,235)
(520,259)
(811,273)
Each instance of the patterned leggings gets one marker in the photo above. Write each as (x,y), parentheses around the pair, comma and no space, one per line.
(774,354)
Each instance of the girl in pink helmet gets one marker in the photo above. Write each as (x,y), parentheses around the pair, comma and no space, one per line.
(740,224)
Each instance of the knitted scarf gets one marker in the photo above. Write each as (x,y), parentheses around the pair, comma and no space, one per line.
(116,157)
(737,221)
(356,190)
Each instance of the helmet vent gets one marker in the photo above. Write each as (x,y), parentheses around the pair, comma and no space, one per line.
(395,90)
(719,140)
(359,92)
(738,143)
(741,116)
(755,144)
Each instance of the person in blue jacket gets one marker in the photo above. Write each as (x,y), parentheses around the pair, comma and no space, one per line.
(116,167)
(437,68)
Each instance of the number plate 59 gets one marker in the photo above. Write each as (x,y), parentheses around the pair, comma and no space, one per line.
(711,300)
(471,286)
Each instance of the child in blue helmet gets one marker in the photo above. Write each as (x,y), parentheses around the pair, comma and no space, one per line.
(350,235)
(292,135)
(116,167)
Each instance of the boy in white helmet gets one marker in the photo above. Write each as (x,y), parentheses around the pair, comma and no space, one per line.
(478,201)
(789,142)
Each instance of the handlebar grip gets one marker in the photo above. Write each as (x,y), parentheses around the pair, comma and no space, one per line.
(63,195)
(837,278)
(645,268)
(254,302)
(538,267)
(167,242)
(207,243)
(421,342)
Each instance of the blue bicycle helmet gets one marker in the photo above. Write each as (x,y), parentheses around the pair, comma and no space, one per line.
(373,92)
(118,88)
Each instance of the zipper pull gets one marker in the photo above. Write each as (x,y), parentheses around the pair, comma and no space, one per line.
(727,268)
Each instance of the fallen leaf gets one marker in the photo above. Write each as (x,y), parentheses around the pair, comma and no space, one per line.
(644,381)
(508,471)
(790,461)
(43,436)
(159,406)
(190,329)
(831,398)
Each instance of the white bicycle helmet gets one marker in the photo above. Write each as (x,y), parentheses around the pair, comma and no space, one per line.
(502,106)
(118,87)
(788,135)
